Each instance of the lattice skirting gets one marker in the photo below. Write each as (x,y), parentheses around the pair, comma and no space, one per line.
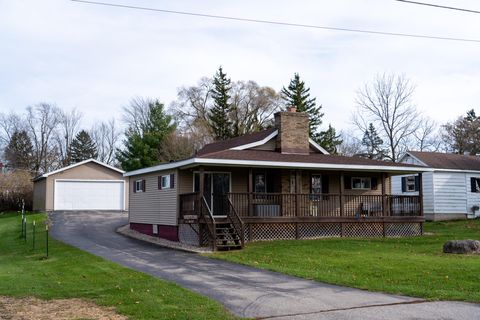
(187,235)
(286,231)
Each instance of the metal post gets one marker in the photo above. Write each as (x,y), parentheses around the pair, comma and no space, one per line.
(46,237)
(25,228)
(33,237)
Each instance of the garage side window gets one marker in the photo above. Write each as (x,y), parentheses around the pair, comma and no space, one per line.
(475,184)
(139,186)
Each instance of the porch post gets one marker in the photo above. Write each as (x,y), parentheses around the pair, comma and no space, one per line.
(342,200)
(250,192)
(420,192)
(298,190)
(200,202)
(384,212)
(202,183)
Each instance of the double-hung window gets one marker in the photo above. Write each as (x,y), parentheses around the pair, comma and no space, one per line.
(139,186)
(165,182)
(362,183)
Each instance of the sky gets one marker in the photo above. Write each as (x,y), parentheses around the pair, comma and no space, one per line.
(96,58)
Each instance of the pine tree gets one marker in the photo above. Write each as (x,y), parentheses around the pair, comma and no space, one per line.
(298,95)
(374,144)
(19,151)
(219,115)
(142,147)
(329,140)
(82,147)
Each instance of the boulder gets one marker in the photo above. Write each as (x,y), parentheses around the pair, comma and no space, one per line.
(462,246)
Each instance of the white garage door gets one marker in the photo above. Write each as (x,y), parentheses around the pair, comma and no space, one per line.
(89,195)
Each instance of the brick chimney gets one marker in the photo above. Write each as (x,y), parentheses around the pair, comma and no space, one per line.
(292,129)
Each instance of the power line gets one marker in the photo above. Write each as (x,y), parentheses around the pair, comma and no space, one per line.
(185,13)
(438,6)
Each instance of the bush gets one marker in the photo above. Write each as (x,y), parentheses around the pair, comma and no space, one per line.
(16,186)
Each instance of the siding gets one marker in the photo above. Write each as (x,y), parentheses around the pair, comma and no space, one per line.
(450,192)
(473,198)
(428,191)
(154,206)
(39,195)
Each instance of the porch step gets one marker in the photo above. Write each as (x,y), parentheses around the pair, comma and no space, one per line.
(227,238)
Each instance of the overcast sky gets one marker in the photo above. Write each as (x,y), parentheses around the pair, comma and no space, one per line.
(96,58)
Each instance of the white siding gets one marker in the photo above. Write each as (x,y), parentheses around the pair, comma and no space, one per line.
(473,198)
(450,192)
(154,206)
(411,160)
(428,190)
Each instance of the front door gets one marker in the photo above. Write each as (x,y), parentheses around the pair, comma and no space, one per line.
(216,186)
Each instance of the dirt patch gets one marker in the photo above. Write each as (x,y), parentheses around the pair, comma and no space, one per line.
(61,309)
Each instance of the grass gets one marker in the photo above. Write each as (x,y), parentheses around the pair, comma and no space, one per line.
(411,266)
(72,273)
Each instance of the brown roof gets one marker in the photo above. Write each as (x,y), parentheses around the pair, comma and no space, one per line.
(440,160)
(235,142)
(259,155)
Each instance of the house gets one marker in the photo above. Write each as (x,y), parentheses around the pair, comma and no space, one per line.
(86,185)
(273,184)
(451,190)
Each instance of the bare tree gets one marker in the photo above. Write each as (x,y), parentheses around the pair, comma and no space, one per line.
(42,121)
(176,147)
(106,136)
(69,123)
(427,136)
(351,145)
(387,102)
(9,124)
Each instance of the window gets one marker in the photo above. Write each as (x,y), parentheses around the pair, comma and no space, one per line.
(165,182)
(475,184)
(139,186)
(260,183)
(316,184)
(410,184)
(362,183)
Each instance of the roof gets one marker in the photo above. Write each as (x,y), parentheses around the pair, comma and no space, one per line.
(236,142)
(258,158)
(76,165)
(452,161)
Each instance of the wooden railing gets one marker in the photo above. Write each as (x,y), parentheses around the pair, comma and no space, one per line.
(266,205)
(236,221)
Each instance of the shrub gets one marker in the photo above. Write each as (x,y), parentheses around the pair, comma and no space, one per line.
(16,186)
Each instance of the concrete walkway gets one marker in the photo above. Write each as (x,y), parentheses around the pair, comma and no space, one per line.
(245,291)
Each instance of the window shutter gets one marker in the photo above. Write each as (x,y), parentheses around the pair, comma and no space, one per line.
(347,181)
(325,184)
(144,186)
(404,184)
(417,183)
(172,181)
(374,183)
(473,184)
(159,182)
(134,186)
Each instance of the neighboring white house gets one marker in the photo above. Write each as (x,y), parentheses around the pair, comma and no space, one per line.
(450,191)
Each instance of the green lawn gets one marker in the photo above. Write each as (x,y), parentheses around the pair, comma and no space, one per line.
(410,266)
(70,272)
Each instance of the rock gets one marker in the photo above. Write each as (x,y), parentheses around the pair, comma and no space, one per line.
(462,246)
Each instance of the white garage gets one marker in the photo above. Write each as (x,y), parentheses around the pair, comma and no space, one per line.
(86,185)
(89,195)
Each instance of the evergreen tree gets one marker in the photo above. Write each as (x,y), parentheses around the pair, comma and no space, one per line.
(219,114)
(19,151)
(373,143)
(329,140)
(298,95)
(82,148)
(142,146)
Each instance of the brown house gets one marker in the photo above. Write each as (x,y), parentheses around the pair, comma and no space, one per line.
(87,185)
(274,184)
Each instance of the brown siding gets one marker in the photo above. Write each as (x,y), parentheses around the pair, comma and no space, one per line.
(154,206)
(88,171)
(39,194)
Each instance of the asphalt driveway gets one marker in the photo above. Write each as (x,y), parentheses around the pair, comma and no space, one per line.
(245,291)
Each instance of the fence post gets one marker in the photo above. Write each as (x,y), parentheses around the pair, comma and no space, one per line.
(33,237)
(46,237)
(25,229)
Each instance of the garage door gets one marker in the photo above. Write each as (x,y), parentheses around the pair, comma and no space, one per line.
(89,195)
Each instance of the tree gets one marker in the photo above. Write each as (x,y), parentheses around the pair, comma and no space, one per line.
(176,147)
(296,94)
(68,123)
(144,136)
(19,151)
(427,137)
(82,148)
(42,121)
(106,137)
(373,143)
(219,114)
(463,135)
(351,145)
(329,140)
(387,103)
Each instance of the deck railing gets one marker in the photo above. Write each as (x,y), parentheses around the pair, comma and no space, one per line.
(308,205)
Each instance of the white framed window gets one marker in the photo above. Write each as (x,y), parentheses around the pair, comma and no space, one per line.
(361,183)
(410,184)
(165,182)
(139,186)
(475,182)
